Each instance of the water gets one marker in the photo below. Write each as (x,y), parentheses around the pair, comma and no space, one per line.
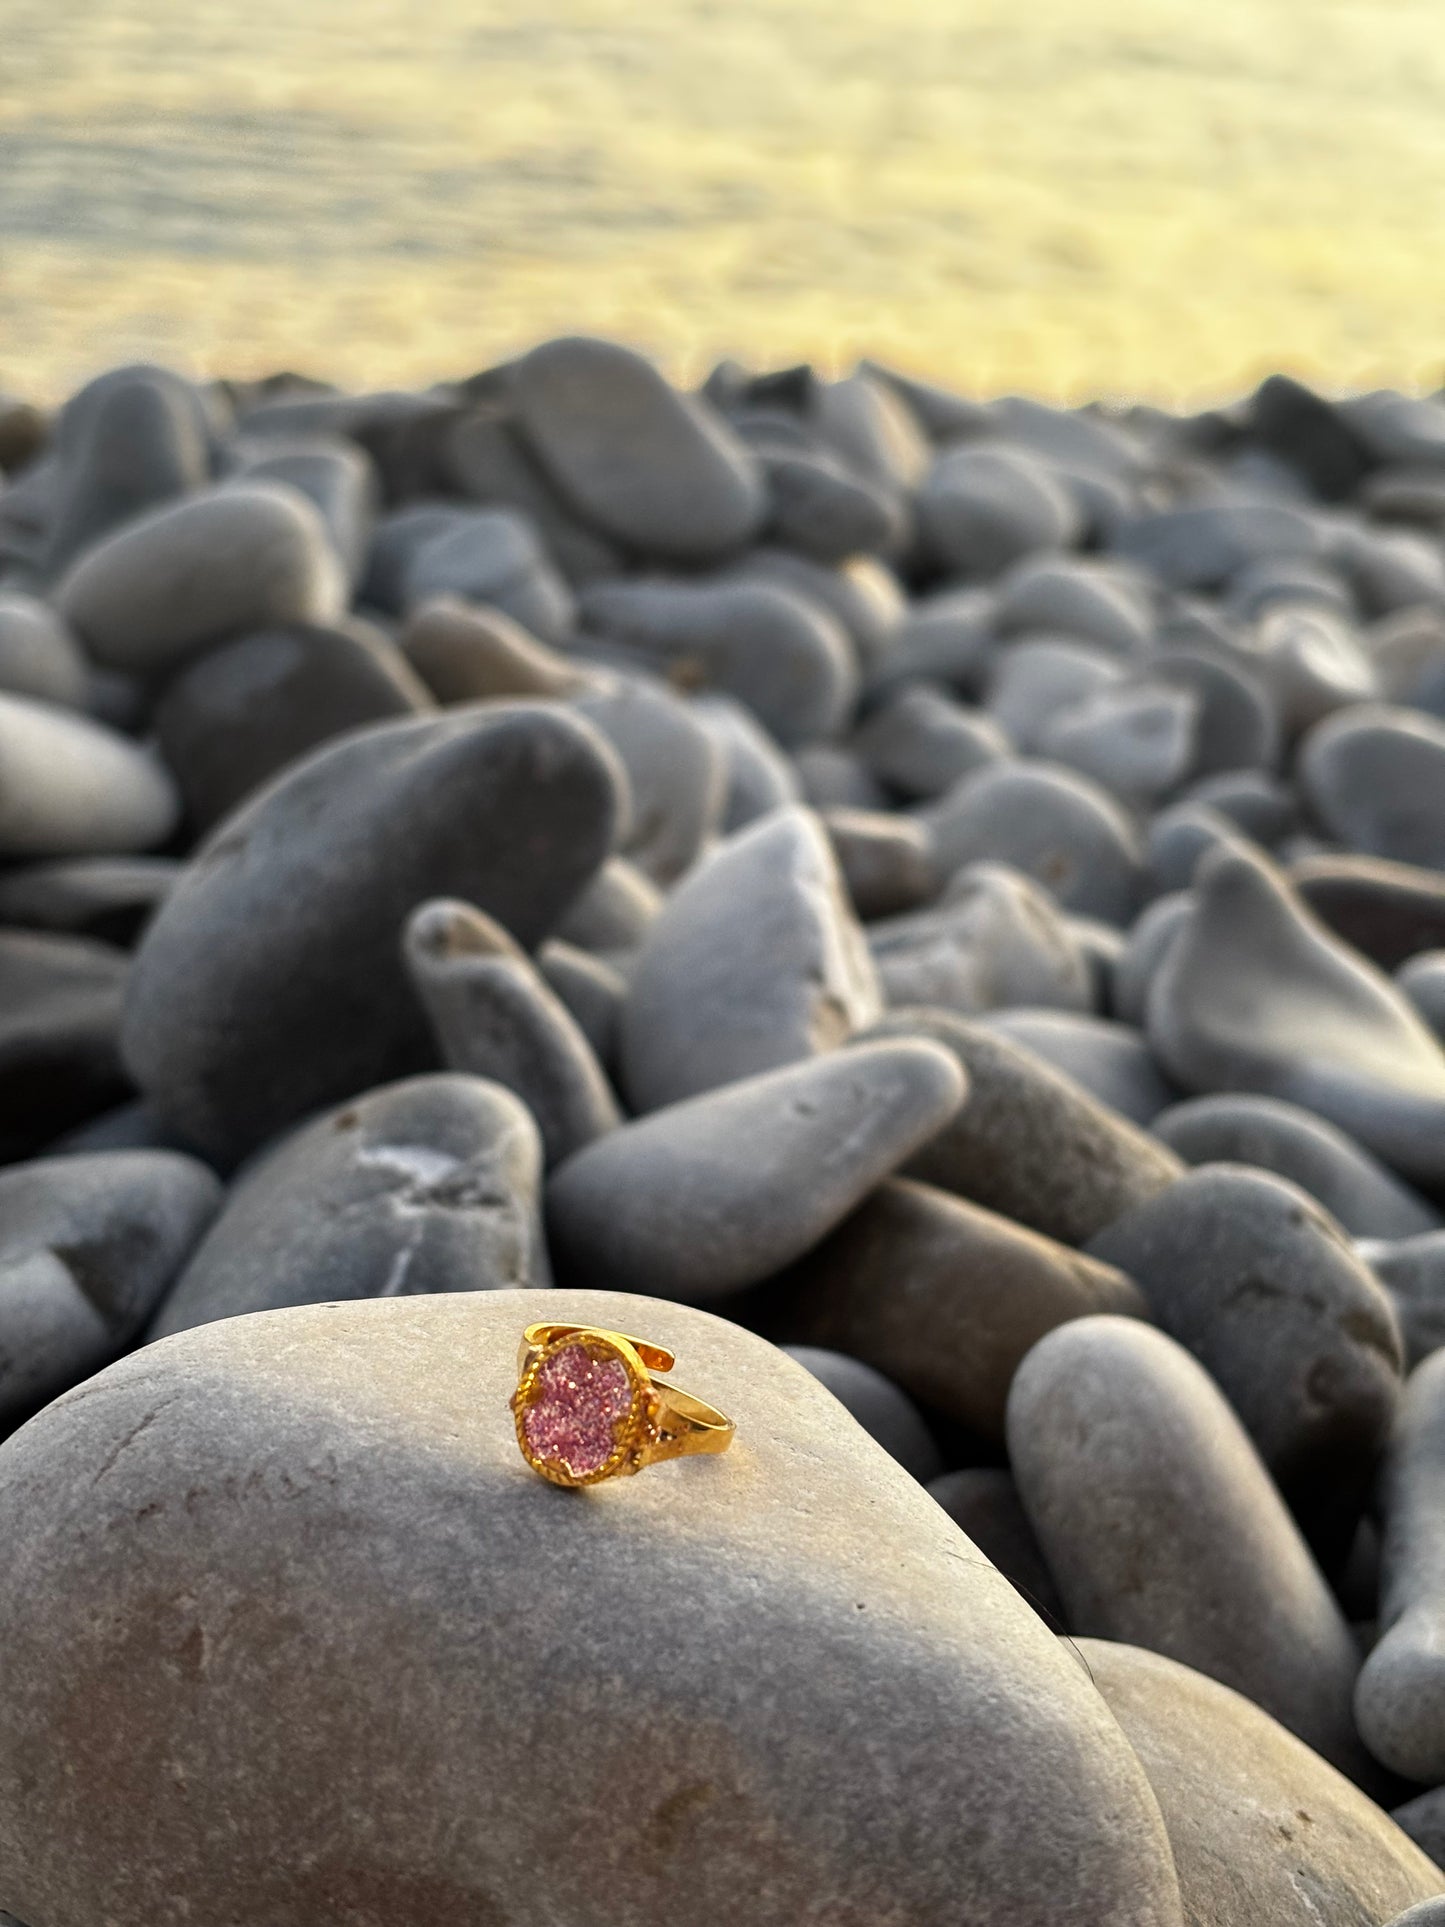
(1133,196)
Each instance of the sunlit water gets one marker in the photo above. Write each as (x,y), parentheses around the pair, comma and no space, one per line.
(1070,196)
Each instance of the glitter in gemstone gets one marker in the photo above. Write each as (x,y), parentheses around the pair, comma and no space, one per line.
(578,1400)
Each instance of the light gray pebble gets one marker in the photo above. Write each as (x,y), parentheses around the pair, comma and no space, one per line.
(885,1413)
(1111,1060)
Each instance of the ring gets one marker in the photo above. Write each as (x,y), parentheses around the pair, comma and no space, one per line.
(587,1407)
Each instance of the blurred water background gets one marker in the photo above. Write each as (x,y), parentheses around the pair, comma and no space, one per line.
(1073,197)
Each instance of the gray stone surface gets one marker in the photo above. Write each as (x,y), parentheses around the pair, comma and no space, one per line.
(1412,1270)
(230,721)
(1255,995)
(1262,1286)
(1057,827)
(1137,741)
(1400,1700)
(614,911)
(1041,677)
(592,990)
(1079,596)
(72,787)
(1150,936)
(983,1502)
(38,655)
(995,938)
(1111,1060)
(467,653)
(886,1414)
(1423,981)
(60,1007)
(1315,663)
(943,1297)
(343,1637)
(1375,776)
(755,960)
(489,556)
(1427,1913)
(920,742)
(1355,1188)
(1180,838)
(982,508)
(1030,1143)
(109,897)
(703,1198)
(657,470)
(1423,1818)
(429,1185)
(494,1016)
(886,861)
(675,774)
(196,572)
(337,476)
(1162,1527)
(272,981)
(88,1244)
(1389,911)
(1265,1833)
(785,657)
(1201,545)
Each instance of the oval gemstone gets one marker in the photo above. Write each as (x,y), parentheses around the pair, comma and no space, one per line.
(571,1417)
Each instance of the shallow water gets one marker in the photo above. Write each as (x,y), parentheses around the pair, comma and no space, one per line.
(1133,196)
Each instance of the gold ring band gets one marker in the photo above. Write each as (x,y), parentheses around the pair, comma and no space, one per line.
(588,1408)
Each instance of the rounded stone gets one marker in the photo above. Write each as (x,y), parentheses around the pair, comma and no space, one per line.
(247,1518)
(1376,778)
(1357,1190)
(943,1297)
(657,470)
(489,556)
(1179,840)
(466,654)
(72,787)
(246,710)
(886,1414)
(1263,1830)
(1203,544)
(1150,938)
(1137,741)
(1412,1270)
(1060,829)
(1040,678)
(88,1244)
(1073,595)
(1262,1286)
(1400,1700)
(615,910)
(39,657)
(1110,1060)
(675,774)
(1388,911)
(1253,994)
(983,1502)
(757,776)
(982,508)
(1236,726)
(1423,981)
(338,477)
(759,936)
(1315,663)
(196,572)
(886,861)
(109,897)
(920,742)
(1162,1527)
(1030,1143)
(271,982)
(703,1198)
(60,1008)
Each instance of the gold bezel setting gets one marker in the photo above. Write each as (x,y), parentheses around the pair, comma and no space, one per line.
(633,1432)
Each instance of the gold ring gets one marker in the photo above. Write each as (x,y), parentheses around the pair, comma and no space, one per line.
(587,1407)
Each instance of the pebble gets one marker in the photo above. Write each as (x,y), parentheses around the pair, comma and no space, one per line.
(247,710)
(1423,1819)
(1262,1286)
(1262,1829)
(757,776)
(1039,679)
(73,787)
(1163,1530)
(918,742)
(468,653)
(995,938)
(485,458)
(1375,776)
(885,1413)
(1255,801)
(1179,840)
(1110,1060)
(658,471)
(1236,725)
(1400,1699)
(1389,911)
(1146,944)
(1310,432)
(489,556)
(1412,1270)
(945,637)
(1423,981)
(494,1016)
(983,1502)
(432,1184)
(338,477)
(783,657)
(983,508)
(87,1247)
(60,1008)
(1030,1143)
(886,861)
(675,774)
(1315,663)
(943,1297)
(760,935)
(1254,995)
(1367,1200)
(1202,545)
(703,1198)
(592,990)
(109,897)
(271,982)
(613,912)
(359,1476)
(835,779)
(1408,651)
(826,510)
(1059,828)
(223,562)
(863,596)
(1097,601)
(1137,741)
(39,657)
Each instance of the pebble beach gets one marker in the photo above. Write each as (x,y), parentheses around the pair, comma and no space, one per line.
(930,910)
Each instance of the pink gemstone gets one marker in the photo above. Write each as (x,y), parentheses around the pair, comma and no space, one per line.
(576,1405)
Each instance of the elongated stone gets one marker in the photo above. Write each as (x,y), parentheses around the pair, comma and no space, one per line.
(72,787)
